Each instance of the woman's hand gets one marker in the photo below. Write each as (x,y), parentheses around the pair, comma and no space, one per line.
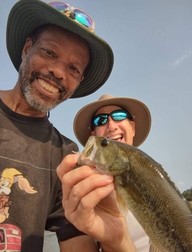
(89,200)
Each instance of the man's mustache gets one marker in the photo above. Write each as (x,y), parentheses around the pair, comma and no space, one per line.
(51,77)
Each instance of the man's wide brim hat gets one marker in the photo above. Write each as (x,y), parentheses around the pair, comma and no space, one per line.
(138,110)
(27,15)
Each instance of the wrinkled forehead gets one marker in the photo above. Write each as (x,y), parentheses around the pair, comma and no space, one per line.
(107,109)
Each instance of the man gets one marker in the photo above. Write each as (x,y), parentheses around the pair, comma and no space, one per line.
(55,51)
(89,193)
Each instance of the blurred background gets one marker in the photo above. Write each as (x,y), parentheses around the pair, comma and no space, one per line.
(152,44)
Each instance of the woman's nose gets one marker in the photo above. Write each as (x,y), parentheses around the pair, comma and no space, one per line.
(111,123)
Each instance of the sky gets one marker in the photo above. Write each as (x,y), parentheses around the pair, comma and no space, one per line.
(152,45)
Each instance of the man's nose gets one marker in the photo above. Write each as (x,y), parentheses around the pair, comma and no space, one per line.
(58,69)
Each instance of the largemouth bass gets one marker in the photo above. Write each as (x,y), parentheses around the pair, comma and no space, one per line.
(143,186)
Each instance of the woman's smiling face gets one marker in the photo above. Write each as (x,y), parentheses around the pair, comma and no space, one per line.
(121,131)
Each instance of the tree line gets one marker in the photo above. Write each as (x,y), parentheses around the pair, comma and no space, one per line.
(188,194)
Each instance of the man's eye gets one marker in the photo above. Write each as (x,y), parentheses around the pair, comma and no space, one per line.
(75,70)
(48,52)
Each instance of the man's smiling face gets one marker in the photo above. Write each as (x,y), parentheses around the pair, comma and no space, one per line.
(52,67)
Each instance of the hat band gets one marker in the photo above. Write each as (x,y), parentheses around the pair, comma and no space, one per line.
(75,14)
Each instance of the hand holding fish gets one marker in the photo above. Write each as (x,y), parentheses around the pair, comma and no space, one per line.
(145,188)
(90,204)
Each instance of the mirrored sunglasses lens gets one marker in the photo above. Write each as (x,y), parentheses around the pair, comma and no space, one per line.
(119,116)
(100,120)
(83,18)
(62,7)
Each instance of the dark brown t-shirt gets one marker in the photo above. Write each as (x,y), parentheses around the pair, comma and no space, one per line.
(30,150)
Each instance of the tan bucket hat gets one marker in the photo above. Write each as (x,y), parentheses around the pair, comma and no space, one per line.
(138,110)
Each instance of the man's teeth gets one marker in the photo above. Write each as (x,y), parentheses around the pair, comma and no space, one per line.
(47,86)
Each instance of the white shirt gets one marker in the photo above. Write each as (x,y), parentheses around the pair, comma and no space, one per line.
(138,235)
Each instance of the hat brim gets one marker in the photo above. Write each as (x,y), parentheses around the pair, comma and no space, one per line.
(139,111)
(27,15)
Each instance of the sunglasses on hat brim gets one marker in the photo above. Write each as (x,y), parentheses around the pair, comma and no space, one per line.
(75,14)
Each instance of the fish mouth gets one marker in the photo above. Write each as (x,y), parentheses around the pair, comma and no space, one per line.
(88,154)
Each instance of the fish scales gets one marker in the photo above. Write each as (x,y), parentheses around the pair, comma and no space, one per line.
(144,187)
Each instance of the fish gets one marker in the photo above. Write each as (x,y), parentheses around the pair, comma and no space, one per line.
(144,187)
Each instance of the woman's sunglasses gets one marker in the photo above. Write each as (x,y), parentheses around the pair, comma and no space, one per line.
(75,14)
(116,115)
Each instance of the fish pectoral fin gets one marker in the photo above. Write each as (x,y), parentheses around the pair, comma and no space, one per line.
(123,179)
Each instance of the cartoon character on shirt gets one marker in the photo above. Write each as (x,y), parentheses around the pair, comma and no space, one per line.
(9,176)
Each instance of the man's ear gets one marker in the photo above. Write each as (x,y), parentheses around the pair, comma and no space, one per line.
(26,47)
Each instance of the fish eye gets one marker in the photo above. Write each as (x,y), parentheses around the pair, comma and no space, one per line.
(104,142)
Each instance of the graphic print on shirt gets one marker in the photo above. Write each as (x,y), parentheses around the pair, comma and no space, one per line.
(10,238)
(8,177)
(10,235)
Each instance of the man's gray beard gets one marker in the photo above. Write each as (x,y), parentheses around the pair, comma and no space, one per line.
(37,103)
(27,92)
